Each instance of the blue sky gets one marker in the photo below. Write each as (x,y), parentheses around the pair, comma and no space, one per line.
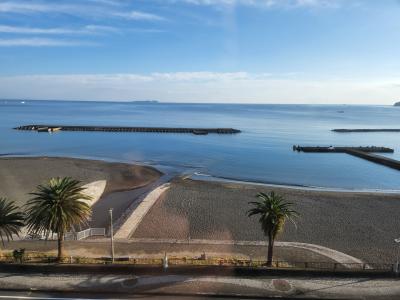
(248,51)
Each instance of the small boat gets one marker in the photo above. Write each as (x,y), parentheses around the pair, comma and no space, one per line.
(43,129)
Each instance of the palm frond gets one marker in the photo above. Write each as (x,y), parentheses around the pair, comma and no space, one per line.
(57,206)
(273,211)
(11,220)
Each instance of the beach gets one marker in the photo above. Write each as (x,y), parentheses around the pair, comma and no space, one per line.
(123,182)
(362,225)
(194,216)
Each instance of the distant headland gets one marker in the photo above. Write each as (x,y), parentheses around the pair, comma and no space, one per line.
(397,104)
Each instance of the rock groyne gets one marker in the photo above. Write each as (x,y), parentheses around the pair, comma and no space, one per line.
(196,131)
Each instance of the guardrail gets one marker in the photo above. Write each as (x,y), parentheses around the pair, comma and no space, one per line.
(78,235)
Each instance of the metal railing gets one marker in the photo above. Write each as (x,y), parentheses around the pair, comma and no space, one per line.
(210,261)
(80,235)
(69,236)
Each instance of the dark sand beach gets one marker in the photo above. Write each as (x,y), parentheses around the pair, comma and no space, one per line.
(359,224)
(20,176)
(362,225)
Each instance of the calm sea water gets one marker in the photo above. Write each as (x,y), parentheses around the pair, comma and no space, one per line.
(262,152)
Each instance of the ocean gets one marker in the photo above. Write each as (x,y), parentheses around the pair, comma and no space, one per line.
(261,153)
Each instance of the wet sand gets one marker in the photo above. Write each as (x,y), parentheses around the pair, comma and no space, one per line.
(359,224)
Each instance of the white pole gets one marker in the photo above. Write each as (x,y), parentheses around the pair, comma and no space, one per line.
(398,256)
(112,235)
(397,267)
(165,261)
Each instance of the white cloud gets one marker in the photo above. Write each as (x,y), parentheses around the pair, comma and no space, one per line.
(107,2)
(97,8)
(139,16)
(89,29)
(200,76)
(41,42)
(238,87)
(31,7)
(265,3)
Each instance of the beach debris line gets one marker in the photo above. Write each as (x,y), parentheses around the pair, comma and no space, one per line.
(361,152)
(196,131)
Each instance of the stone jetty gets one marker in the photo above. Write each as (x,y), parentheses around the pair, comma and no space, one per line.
(361,152)
(365,149)
(367,130)
(196,131)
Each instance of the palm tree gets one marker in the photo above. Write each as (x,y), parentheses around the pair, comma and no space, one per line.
(56,207)
(273,211)
(11,220)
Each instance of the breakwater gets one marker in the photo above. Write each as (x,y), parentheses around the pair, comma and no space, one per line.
(197,131)
(361,152)
(378,159)
(365,149)
(367,130)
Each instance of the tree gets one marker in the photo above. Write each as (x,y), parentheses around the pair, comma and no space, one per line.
(273,211)
(56,207)
(11,220)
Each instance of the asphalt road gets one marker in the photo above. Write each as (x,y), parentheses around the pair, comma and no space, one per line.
(76,296)
(97,286)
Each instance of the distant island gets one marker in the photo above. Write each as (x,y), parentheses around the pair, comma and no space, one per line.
(145,101)
(397,104)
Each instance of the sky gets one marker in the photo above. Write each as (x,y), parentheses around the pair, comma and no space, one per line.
(227,51)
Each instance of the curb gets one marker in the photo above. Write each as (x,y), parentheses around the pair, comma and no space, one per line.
(185,270)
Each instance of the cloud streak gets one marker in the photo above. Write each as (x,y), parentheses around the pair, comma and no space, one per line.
(264,3)
(139,16)
(105,9)
(237,87)
(42,42)
(41,7)
(89,29)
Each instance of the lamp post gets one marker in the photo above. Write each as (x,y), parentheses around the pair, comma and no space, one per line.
(112,235)
(397,241)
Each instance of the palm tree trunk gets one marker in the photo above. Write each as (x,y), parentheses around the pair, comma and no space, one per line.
(270,250)
(60,247)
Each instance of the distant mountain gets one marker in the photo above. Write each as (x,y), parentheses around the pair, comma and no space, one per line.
(397,104)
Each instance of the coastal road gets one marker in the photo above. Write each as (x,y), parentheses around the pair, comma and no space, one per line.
(93,286)
(76,296)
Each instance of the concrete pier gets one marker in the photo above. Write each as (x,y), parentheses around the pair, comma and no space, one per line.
(378,159)
(367,130)
(330,149)
(361,152)
(196,131)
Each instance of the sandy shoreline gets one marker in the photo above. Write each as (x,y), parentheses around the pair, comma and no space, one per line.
(20,175)
(359,224)
(204,177)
